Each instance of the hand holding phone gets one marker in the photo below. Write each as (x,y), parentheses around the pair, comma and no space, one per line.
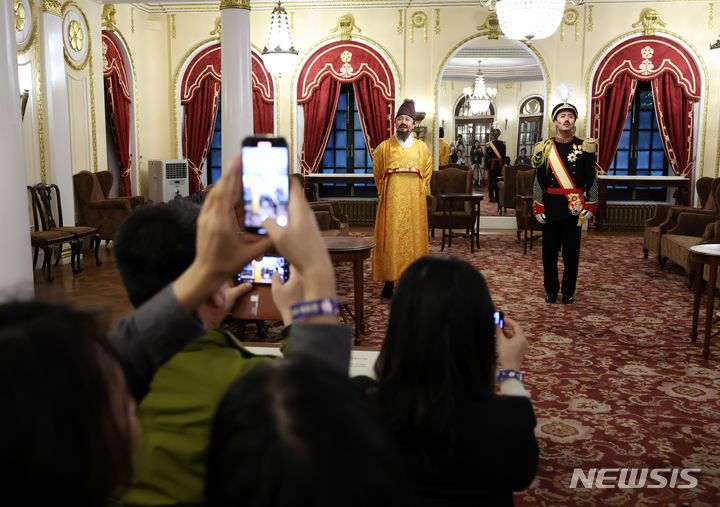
(261,271)
(265,182)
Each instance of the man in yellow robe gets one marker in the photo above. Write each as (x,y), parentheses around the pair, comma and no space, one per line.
(444,149)
(402,168)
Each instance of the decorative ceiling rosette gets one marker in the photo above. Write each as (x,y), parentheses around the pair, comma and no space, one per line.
(76,36)
(24,24)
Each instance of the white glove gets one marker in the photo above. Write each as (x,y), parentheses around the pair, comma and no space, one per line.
(585,215)
(540,217)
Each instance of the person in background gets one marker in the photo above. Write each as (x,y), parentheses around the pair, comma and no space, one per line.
(494,157)
(461,443)
(523,157)
(457,157)
(402,168)
(443,149)
(476,158)
(565,195)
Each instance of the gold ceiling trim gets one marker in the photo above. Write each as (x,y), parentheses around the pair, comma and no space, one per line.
(235,4)
(600,54)
(40,112)
(51,7)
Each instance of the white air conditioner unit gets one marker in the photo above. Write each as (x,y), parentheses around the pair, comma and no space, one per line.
(167,178)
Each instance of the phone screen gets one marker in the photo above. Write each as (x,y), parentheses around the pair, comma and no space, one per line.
(261,271)
(499,318)
(266,182)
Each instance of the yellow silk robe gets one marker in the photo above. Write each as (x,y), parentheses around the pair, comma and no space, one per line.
(444,153)
(401,229)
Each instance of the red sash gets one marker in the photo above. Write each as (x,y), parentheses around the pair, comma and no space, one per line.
(574,195)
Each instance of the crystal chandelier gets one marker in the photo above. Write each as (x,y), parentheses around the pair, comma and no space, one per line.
(280,54)
(480,96)
(529,19)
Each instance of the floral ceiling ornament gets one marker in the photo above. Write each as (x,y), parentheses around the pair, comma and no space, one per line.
(491,27)
(646,67)
(345,25)
(346,69)
(418,20)
(649,20)
(75,36)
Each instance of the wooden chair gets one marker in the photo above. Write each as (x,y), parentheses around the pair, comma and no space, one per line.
(525,219)
(40,238)
(665,216)
(331,220)
(48,199)
(450,180)
(507,186)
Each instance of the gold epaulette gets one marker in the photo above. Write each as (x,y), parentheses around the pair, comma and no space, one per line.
(541,152)
(589,145)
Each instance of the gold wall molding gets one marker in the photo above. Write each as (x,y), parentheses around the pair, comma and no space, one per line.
(173,27)
(590,24)
(711,15)
(701,63)
(77,65)
(346,25)
(649,20)
(491,27)
(418,20)
(20,15)
(132,20)
(217,31)
(400,29)
(107,18)
(437,21)
(51,7)
(40,112)
(570,18)
(235,4)
(28,44)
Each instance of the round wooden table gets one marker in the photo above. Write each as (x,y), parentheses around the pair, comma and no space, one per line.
(700,255)
(355,250)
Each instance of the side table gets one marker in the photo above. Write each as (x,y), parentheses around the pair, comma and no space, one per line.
(702,255)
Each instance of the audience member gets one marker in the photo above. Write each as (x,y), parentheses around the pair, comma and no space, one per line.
(476,158)
(297,433)
(523,158)
(457,157)
(462,443)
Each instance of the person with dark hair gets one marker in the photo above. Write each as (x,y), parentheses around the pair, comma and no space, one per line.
(68,428)
(523,158)
(476,158)
(402,168)
(494,160)
(565,195)
(443,149)
(462,443)
(152,247)
(298,433)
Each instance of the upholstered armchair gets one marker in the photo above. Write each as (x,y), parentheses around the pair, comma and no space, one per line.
(95,210)
(691,229)
(507,186)
(666,215)
(331,220)
(451,180)
(526,223)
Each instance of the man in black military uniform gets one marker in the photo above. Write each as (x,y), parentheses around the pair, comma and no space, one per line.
(565,195)
(494,157)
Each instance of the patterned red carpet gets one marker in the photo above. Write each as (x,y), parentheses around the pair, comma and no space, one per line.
(615,380)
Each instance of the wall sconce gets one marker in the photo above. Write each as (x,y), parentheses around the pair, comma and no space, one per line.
(24,95)
(715,52)
(507,115)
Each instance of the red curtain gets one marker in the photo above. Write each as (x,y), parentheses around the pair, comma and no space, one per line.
(198,126)
(118,100)
(374,112)
(262,114)
(613,109)
(319,112)
(674,111)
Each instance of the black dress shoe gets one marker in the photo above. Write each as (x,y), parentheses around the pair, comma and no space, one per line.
(568,299)
(387,291)
(550,298)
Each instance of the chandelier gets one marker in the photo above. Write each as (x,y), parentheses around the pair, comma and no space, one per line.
(280,54)
(529,19)
(480,96)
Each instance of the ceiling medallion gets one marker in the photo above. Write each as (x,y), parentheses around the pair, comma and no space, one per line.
(75,35)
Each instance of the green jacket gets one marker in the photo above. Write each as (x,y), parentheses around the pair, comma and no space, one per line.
(176,419)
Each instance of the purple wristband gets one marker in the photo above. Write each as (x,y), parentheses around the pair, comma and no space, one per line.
(324,306)
(505,374)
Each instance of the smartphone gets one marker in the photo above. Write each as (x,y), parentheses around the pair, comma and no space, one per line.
(499,318)
(260,272)
(265,181)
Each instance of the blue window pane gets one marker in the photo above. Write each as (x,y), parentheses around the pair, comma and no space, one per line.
(654,122)
(217,140)
(359,139)
(628,122)
(657,173)
(328,158)
(621,160)
(340,118)
(644,140)
(342,102)
(646,120)
(215,158)
(643,160)
(329,170)
(357,123)
(369,160)
(340,158)
(331,141)
(657,141)
(216,174)
(218,122)
(658,159)
(340,139)
(359,158)
(624,140)
(340,170)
